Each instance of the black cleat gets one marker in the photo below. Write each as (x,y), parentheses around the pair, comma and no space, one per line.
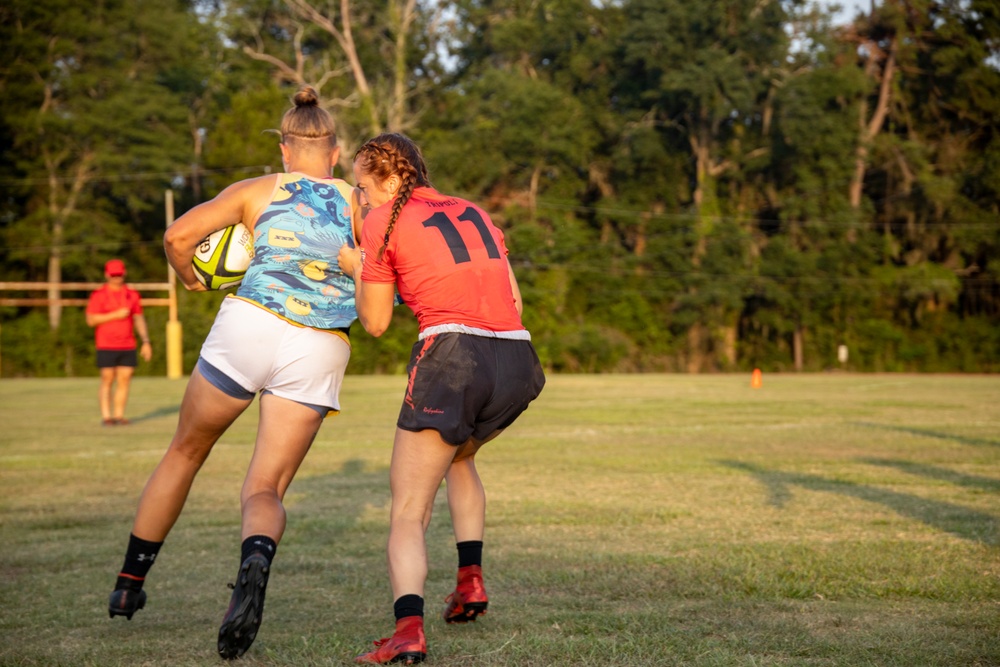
(246,607)
(125,602)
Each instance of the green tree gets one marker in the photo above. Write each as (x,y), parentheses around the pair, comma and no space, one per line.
(372,63)
(705,74)
(936,170)
(94,103)
(705,186)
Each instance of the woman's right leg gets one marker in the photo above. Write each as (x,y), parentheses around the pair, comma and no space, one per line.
(284,435)
(466,495)
(104,392)
(420,460)
(206,412)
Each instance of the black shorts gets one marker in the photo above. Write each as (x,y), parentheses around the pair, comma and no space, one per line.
(465,386)
(115,358)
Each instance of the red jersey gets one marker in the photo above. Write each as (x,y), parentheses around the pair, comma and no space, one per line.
(448,261)
(116,335)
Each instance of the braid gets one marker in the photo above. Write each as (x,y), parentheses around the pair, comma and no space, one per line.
(406,187)
(394,154)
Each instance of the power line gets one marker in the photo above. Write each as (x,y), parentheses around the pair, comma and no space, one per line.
(540,204)
(693,216)
(139,176)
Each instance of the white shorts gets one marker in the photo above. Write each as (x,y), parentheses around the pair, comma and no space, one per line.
(263,352)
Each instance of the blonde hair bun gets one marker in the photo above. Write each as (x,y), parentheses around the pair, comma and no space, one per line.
(306,97)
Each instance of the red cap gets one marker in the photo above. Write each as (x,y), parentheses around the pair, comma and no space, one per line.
(114,267)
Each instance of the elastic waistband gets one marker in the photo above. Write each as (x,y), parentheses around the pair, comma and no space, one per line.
(520,334)
(344,333)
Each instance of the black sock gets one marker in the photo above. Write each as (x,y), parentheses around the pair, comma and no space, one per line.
(258,544)
(408,605)
(470,553)
(139,557)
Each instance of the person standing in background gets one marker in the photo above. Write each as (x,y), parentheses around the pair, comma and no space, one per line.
(115,310)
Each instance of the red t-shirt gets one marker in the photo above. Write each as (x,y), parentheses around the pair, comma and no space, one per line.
(448,261)
(116,335)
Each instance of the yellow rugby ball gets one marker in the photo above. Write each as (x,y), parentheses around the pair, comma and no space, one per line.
(223,257)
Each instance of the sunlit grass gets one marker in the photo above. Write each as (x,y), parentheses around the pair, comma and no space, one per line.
(633,520)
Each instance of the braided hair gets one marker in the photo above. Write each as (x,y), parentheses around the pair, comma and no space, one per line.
(393,154)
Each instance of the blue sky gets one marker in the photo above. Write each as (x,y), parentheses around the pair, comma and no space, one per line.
(848,8)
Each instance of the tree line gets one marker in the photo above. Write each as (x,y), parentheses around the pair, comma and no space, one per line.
(711,186)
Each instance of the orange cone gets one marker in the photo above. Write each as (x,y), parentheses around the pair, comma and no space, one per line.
(756,380)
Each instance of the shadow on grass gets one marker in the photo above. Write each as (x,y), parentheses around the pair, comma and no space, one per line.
(959,521)
(334,503)
(159,412)
(938,473)
(979,442)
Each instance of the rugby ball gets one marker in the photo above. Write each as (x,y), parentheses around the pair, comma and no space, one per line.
(223,257)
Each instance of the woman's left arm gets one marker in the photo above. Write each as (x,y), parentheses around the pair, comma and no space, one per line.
(374,301)
(518,303)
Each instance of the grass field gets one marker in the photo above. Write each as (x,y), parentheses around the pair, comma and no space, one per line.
(834,519)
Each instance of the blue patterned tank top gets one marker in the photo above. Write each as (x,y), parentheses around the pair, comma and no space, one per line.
(294,271)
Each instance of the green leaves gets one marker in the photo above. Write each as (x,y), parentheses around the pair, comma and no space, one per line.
(678,179)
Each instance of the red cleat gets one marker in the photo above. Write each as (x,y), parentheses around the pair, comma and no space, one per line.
(469,599)
(407,645)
